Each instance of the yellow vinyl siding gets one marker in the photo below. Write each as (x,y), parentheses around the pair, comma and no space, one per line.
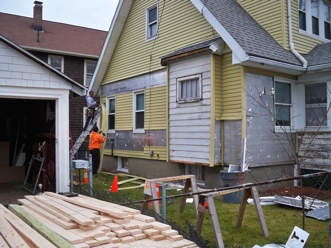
(218,86)
(302,43)
(270,15)
(155,108)
(159,153)
(123,111)
(231,89)
(133,53)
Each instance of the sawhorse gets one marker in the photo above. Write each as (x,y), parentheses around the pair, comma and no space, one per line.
(202,209)
(190,182)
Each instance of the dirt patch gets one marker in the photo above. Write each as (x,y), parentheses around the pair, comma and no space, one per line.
(295,191)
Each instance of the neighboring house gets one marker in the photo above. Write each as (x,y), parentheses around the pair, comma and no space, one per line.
(73,50)
(185,82)
(32,95)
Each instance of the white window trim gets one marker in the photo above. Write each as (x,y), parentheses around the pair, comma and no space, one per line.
(137,130)
(55,56)
(107,106)
(147,23)
(121,164)
(309,31)
(283,129)
(180,79)
(85,68)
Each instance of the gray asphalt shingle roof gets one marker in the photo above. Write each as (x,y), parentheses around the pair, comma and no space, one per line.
(319,55)
(249,34)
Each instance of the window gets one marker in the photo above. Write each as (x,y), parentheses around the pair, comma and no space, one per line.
(152,25)
(56,62)
(314,18)
(316,105)
(89,71)
(327,20)
(111,114)
(189,88)
(139,111)
(283,103)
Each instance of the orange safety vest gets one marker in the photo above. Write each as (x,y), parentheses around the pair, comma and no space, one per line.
(95,141)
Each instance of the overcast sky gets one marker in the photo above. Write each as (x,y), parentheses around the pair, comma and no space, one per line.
(95,14)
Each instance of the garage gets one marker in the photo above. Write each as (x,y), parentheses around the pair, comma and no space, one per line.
(34,100)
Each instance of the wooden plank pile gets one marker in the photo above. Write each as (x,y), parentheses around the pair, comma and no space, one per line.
(83,222)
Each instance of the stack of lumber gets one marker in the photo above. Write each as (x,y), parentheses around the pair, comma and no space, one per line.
(82,221)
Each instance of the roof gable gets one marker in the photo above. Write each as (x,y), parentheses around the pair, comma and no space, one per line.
(72,85)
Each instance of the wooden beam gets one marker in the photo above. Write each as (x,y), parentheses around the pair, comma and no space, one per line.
(40,226)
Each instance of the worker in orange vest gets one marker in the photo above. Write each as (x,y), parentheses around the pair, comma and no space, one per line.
(96,139)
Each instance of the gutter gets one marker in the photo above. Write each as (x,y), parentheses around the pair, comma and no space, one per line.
(295,52)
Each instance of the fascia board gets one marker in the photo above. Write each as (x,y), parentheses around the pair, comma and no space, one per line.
(315,77)
(239,54)
(115,30)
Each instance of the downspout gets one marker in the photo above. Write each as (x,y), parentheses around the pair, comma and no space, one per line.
(295,52)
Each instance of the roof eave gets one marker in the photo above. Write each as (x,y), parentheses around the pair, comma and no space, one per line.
(272,65)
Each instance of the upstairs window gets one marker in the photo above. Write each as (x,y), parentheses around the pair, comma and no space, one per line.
(111,114)
(302,14)
(316,105)
(314,18)
(151,21)
(327,20)
(189,88)
(89,71)
(283,104)
(56,62)
(139,111)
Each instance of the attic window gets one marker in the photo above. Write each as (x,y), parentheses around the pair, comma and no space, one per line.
(151,22)
(56,62)
(189,89)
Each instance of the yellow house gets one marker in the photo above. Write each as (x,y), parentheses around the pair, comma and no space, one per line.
(193,86)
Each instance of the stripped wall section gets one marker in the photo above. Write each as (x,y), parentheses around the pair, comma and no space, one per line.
(189,123)
(124,142)
(264,145)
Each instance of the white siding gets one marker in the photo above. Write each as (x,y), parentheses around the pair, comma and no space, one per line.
(189,123)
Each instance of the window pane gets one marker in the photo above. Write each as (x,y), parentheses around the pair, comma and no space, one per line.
(316,105)
(315,25)
(314,7)
(283,115)
(316,116)
(140,120)
(315,93)
(189,89)
(153,29)
(152,15)
(283,93)
(112,106)
(302,5)
(140,102)
(327,29)
(302,20)
(56,63)
(111,122)
(90,67)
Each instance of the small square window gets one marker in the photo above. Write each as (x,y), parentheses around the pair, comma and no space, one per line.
(56,62)
(189,88)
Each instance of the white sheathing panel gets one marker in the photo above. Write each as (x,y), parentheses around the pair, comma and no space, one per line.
(21,77)
(189,123)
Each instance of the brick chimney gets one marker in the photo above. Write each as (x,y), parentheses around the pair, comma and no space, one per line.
(37,16)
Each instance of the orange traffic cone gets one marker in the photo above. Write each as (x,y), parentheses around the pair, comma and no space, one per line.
(151,203)
(85,178)
(114,186)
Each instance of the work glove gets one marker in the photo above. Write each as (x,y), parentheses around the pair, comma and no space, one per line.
(103,134)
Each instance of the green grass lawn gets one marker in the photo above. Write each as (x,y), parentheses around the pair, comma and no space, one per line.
(280,219)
